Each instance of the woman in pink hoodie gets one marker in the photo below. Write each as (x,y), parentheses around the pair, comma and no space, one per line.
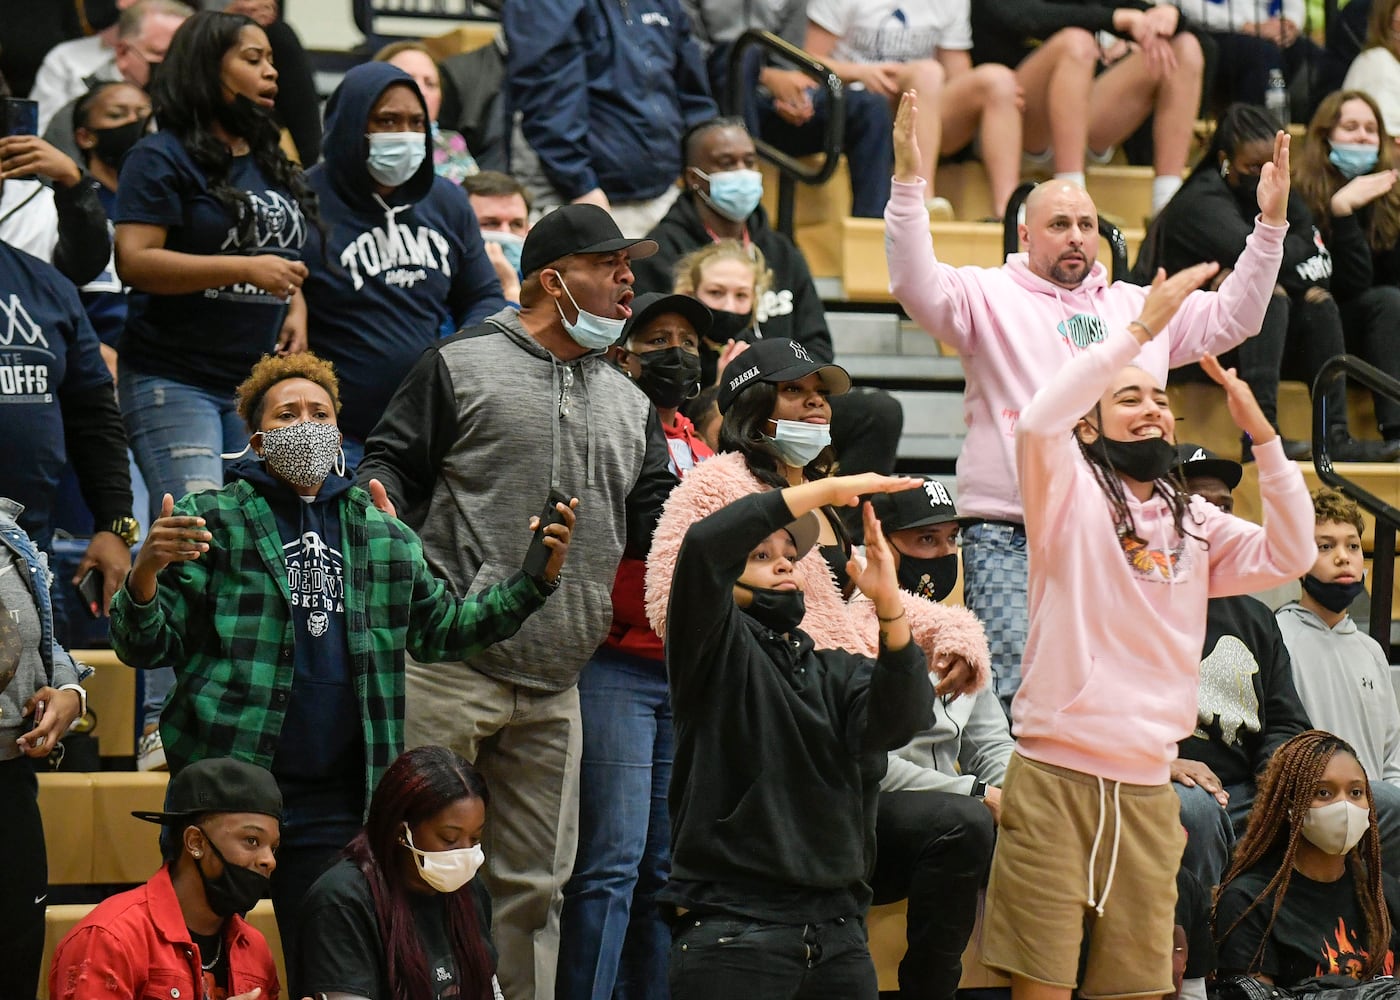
(1122,562)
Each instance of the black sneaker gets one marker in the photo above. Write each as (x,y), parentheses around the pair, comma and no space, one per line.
(1349,449)
(1293,450)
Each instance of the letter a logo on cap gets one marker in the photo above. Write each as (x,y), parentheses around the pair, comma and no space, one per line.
(1199,456)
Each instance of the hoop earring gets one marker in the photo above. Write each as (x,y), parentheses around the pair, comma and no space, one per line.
(340,463)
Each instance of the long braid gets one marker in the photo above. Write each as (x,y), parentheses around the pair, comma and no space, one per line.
(1285,791)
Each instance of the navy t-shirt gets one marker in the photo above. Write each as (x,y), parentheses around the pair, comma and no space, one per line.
(104,297)
(47,348)
(211,338)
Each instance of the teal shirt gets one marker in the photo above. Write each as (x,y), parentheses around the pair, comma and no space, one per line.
(224,622)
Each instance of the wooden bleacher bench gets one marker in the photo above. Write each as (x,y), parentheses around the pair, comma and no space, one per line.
(112,698)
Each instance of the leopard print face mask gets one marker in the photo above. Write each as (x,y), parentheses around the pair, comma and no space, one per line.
(303,454)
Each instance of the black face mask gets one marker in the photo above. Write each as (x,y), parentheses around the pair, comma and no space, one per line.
(114,143)
(728,326)
(778,611)
(932,579)
(1246,192)
(1335,597)
(669,376)
(236,890)
(1144,459)
(243,117)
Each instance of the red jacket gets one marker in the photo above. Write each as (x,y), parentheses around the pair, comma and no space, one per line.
(135,944)
(631,632)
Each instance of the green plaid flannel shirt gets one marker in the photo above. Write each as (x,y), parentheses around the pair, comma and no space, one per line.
(224,622)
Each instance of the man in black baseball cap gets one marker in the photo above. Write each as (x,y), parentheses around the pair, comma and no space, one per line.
(1208,475)
(776,360)
(182,934)
(922,526)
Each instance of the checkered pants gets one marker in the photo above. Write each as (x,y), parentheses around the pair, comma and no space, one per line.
(994,589)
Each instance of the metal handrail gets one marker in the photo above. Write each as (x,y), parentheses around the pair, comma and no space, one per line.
(790,168)
(1011,239)
(1345,366)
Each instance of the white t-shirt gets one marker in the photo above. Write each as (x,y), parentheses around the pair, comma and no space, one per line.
(874,31)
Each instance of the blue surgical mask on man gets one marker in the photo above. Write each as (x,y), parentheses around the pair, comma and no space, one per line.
(1353,158)
(510,244)
(590,331)
(734,194)
(394,157)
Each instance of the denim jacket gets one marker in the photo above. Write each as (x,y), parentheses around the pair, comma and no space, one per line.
(59,667)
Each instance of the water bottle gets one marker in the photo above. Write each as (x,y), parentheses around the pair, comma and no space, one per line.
(1276,98)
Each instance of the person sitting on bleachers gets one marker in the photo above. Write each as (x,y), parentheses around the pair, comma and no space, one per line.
(451,157)
(400,260)
(1073,110)
(1017,325)
(70,68)
(1342,674)
(1376,71)
(182,934)
(1307,894)
(1247,705)
(1211,219)
(887,48)
(1346,175)
(788,108)
(403,914)
(721,202)
(286,602)
(602,96)
(41,694)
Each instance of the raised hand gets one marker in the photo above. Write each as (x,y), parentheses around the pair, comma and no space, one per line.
(171,539)
(1274,183)
(906,142)
(379,496)
(1167,294)
(1244,408)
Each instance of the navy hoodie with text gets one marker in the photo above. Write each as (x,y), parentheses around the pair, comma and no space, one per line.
(395,270)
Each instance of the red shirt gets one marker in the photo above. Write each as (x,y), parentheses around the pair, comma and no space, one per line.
(631,632)
(135,944)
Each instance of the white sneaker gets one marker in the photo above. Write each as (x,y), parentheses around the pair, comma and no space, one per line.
(150,752)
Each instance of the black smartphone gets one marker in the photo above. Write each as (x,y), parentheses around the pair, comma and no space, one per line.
(18,116)
(537,555)
(90,590)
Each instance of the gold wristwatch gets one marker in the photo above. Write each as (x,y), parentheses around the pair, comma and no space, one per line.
(126,528)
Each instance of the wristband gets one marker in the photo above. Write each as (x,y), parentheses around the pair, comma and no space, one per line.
(1141,326)
(888,620)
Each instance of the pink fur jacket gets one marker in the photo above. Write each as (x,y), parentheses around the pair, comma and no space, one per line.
(832,623)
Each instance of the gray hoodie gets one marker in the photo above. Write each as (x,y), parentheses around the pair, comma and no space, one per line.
(468,448)
(1343,680)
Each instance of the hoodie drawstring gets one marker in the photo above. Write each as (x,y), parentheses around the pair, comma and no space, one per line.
(588,427)
(390,228)
(1099,904)
(554,416)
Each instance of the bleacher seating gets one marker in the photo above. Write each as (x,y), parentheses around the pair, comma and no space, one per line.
(112,699)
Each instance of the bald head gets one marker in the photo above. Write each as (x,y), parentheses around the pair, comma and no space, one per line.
(1061,232)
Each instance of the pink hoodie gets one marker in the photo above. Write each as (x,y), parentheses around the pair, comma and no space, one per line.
(1015,330)
(1111,666)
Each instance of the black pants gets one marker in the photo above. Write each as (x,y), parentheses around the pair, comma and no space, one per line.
(934,849)
(1371,323)
(25,884)
(716,957)
(1314,336)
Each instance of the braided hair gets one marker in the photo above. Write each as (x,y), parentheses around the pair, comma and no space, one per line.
(1275,825)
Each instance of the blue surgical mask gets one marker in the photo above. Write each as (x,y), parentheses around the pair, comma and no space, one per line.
(1353,158)
(590,331)
(734,194)
(798,442)
(394,157)
(510,244)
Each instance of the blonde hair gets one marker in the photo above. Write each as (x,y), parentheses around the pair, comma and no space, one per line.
(690,269)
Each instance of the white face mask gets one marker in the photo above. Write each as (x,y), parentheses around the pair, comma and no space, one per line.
(446,871)
(1336,827)
(798,442)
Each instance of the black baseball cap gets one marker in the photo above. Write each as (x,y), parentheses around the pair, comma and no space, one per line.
(1196,460)
(916,508)
(218,785)
(776,359)
(576,229)
(650,305)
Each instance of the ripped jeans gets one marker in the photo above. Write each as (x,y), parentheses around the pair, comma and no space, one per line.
(177,432)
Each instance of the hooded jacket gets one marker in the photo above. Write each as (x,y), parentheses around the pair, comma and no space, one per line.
(482,427)
(1015,330)
(790,308)
(392,269)
(1113,651)
(832,623)
(1343,680)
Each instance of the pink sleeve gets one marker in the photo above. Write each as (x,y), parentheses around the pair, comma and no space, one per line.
(931,293)
(1214,322)
(1244,557)
(699,494)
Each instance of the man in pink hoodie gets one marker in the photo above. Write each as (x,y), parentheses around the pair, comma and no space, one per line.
(1016,325)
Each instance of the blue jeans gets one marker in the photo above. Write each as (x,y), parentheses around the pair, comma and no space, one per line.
(994,589)
(177,432)
(1211,829)
(613,940)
